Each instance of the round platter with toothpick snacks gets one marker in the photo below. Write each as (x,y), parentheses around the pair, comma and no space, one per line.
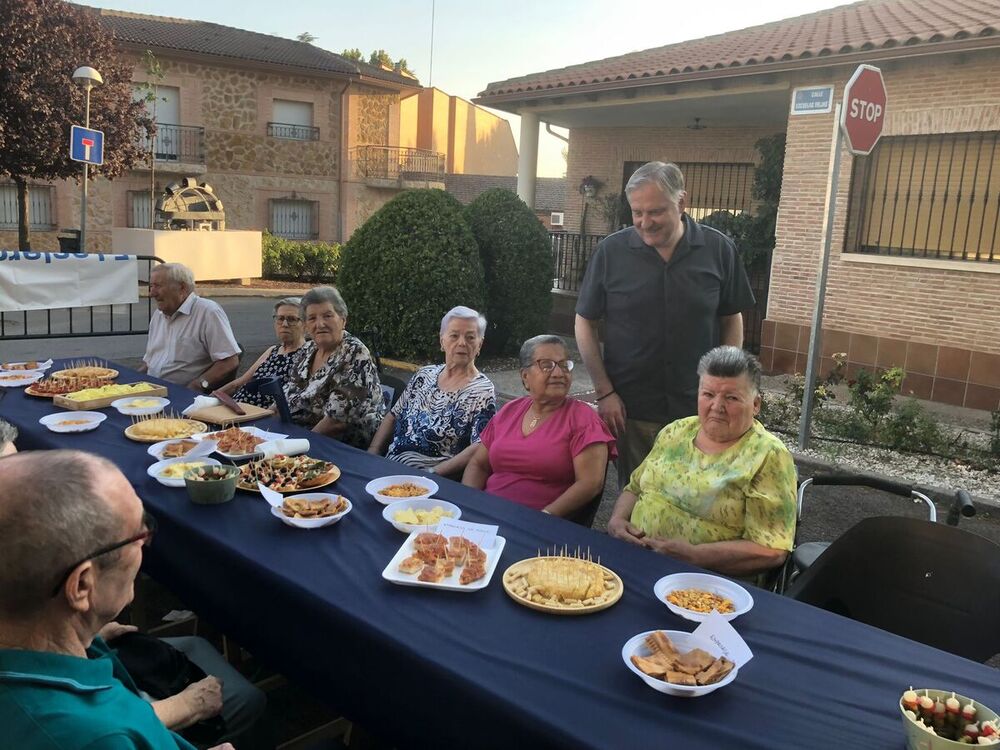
(563,582)
(155,428)
(287,474)
(91,369)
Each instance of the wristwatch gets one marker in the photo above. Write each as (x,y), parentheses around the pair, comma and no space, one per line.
(205,386)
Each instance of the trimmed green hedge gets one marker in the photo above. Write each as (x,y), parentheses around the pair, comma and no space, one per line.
(301,261)
(410,263)
(517,262)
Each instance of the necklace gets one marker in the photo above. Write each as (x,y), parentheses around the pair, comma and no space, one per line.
(533,423)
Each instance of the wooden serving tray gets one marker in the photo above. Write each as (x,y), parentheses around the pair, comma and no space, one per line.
(100,403)
(224,415)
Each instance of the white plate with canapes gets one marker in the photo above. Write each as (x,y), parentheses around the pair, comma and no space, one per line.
(19,378)
(419,515)
(401,487)
(226,441)
(684,642)
(405,569)
(180,448)
(139,405)
(73,421)
(32,365)
(312,510)
(701,593)
(170,472)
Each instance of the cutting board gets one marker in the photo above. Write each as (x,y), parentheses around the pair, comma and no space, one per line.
(224,415)
(100,403)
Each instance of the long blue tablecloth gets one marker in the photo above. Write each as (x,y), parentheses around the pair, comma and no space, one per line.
(429,668)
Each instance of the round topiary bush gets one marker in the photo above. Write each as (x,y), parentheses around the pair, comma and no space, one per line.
(517,262)
(405,267)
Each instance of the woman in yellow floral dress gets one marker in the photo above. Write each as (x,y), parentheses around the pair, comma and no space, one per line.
(717,490)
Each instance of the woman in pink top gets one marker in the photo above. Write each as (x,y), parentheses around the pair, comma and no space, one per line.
(545,450)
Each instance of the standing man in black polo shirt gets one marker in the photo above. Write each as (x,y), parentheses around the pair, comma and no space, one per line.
(668,290)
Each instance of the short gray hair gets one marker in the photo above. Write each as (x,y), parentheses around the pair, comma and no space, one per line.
(176,273)
(8,434)
(322,295)
(287,302)
(52,514)
(731,362)
(461,312)
(527,355)
(666,176)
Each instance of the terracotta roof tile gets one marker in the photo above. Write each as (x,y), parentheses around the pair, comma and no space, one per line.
(213,39)
(873,24)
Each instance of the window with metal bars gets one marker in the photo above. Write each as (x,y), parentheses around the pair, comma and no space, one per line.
(294,219)
(928,196)
(40,212)
(710,187)
(138,209)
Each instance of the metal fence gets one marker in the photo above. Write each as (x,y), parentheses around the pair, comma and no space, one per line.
(293,132)
(70,322)
(180,143)
(928,196)
(397,162)
(572,252)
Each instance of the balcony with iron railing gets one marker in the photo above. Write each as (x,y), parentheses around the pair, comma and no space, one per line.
(177,144)
(292,132)
(398,166)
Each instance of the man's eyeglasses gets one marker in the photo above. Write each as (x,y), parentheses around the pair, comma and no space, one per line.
(548,365)
(145,536)
(289,319)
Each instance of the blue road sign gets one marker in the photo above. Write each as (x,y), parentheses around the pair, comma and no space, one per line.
(812,100)
(86,145)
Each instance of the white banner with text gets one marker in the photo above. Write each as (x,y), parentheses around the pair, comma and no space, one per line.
(38,280)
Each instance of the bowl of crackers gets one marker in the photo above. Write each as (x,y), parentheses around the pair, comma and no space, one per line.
(211,485)
(678,663)
(312,510)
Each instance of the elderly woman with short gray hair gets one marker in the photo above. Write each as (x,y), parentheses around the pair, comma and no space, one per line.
(545,450)
(437,421)
(333,386)
(276,361)
(717,490)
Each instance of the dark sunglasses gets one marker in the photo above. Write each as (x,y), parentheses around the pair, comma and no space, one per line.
(145,536)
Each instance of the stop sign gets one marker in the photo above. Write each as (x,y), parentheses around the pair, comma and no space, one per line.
(862,114)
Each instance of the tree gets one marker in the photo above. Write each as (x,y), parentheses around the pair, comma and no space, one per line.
(149,95)
(380,58)
(353,54)
(41,43)
(306,37)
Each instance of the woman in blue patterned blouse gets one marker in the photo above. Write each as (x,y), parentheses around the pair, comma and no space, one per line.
(435,425)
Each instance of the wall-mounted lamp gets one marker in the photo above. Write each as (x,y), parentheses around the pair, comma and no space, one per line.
(589,186)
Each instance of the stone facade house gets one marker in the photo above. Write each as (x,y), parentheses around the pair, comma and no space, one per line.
(291,137)
(914,277)
(550,193)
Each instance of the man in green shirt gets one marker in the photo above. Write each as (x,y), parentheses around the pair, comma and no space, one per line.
(73,531)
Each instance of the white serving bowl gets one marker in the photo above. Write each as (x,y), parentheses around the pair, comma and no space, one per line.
(202,448)
(636,645)
(122,405)
(375,487)
(312,523)
(919,739)
(94,419)
(740,597)
(390,510)
(155,469)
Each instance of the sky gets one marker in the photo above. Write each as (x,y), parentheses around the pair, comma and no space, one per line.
(476,43)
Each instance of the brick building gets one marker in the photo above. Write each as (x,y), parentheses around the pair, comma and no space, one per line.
(291,137)
(915,270)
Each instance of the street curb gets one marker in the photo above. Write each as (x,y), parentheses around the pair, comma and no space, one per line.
(226,291)
(942,495)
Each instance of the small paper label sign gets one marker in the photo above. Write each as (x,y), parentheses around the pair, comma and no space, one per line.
(718,631)
(482,534)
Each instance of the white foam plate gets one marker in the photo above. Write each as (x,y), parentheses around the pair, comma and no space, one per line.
(312,523)
(393,574)
(94,419)
(373,487)
(390,510)
(19,378)
(42,366)
(155,469)
(636,645)
(122,405)
(742,601)
(264,434)
(203,448)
